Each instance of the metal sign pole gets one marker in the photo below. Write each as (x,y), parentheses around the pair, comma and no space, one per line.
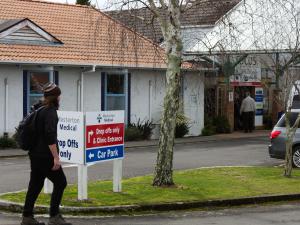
(82,182)
(48,186)
(82,169)
(117,175)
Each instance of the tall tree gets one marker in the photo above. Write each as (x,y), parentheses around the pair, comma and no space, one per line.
(169,19)
(167,12)
(83,2)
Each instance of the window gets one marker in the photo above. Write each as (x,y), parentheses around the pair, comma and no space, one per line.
(36,80)
(115,91)
(292,119)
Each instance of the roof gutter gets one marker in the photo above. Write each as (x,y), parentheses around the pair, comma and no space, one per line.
(252,52)
(38,63)
(88,70)
(197,26)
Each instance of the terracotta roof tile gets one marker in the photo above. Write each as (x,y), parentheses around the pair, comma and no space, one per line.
(89,37)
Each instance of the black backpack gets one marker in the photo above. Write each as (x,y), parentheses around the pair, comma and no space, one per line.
(26,133)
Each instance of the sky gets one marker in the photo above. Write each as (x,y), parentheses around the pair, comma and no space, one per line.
(101,3)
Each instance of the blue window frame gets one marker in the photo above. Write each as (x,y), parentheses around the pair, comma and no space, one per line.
(115,92)
(35,82)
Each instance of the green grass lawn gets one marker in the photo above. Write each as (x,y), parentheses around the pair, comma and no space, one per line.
(191,185)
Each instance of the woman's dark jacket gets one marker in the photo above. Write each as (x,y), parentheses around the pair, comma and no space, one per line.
(46,125)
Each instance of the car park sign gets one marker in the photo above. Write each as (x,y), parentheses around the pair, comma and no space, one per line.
(104,135)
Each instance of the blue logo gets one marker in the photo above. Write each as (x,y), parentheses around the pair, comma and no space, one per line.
(99,118)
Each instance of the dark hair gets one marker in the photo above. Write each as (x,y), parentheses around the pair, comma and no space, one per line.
(51,101)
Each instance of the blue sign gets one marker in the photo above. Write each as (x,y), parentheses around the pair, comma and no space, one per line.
(259,112)
(259,98)
(104,154)
(259,92)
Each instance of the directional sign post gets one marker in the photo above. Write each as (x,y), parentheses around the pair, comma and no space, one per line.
(93,138)
(70,139)
(105,141)
(70,129)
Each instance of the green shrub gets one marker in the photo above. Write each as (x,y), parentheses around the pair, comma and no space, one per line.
(208,131)
(7,142)
(215,125)
(132,133)
(145,128)
(182,125)
(209,127)
(222,124)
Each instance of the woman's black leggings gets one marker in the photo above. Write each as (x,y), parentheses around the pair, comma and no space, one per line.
(41,169)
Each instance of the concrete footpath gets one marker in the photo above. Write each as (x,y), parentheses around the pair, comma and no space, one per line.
(7,153)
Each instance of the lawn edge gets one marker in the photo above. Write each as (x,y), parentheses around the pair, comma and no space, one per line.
(127,209)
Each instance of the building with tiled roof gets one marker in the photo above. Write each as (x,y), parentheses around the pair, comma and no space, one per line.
(202,13)
(89,37)
(99,63)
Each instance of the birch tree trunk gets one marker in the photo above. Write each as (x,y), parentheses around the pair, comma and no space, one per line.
(290,133)
(163,175)
(288,157)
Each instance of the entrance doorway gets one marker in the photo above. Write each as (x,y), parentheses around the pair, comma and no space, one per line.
(239,95)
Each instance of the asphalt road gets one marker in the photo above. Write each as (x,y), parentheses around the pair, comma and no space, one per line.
(287,214)
(15,173)
(252,151)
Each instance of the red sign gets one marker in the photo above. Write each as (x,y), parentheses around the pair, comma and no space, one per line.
(104,135)
(252,84)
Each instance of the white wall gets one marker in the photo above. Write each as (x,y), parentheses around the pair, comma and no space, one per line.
(68,81)
(192,35)
(68,78)
(14,77)
(146,86)
(193,91)
(193,100)
(140,95)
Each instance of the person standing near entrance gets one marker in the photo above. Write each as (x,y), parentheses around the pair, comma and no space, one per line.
(44,160)
(247,111)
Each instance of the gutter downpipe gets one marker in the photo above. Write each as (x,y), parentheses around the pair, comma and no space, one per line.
(150,100)
(78,95)
(5,107)
(82,169)
(82,84)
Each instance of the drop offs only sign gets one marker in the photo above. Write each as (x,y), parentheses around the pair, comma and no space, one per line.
(70,130)
(104,136)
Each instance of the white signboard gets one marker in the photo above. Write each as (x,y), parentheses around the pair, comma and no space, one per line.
(104,136)
(248,72)
(70,130)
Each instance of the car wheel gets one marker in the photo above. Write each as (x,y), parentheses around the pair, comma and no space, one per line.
(296,157)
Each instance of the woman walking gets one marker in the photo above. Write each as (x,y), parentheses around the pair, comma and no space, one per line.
(44,160)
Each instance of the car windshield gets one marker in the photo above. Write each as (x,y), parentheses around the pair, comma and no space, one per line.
(292,119)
